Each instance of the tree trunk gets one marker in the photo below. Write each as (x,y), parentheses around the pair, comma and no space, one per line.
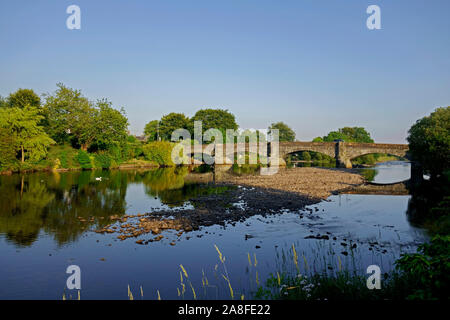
(23,155)
(84,147)
(21,187)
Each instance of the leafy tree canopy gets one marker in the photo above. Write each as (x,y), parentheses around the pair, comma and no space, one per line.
(215,119)
(347,134)
(23,126)
(110,125)
(22,98)
(171,122)
(68,112)
(429,141)
(151,130)
(284,131)
(7,149)
(72,116)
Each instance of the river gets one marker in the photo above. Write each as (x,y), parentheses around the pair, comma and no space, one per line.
(41,235)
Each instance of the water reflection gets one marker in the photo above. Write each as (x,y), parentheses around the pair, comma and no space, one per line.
(57,203)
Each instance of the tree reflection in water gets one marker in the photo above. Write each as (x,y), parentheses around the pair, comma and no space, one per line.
(67,204)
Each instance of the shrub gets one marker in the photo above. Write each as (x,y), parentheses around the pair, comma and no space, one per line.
(115,153)
(428,271)
(159,152)
(84,160)
(306,156)
(318,156)
(63,160)
(102,160)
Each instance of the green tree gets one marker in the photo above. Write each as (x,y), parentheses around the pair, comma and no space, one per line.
(159,152)
(69,114)
(318,139)
(7,149)
(3,103)
(72,116)
(284,131)
(110,125)
(24,97)
(215,119)
(23,125)
(253,136)
(172,122)
(357,134)
(348,134)
(151,130)
(306,156)
(429,141)
(134,148)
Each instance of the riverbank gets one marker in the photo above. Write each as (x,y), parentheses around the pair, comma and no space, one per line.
(306,181)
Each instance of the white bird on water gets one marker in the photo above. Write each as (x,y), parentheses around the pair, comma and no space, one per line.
(98,178)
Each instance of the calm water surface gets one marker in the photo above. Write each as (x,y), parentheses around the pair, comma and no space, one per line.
(41,235)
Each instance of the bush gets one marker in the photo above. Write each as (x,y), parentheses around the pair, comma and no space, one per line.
(318,156)
(159,152)
(306,156)
(63,160)
(102,160)
(115,153)
(428,271)
(84,160)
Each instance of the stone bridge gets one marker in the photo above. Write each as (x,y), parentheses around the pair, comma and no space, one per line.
(343,152)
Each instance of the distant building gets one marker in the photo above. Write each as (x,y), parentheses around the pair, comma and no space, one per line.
(142,138)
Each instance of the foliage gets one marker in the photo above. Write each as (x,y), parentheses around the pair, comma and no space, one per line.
(69,113)
(342,286)
(84,160)
(285,133)
(428,270)
(65,154)
(73,117)
(347,134)
(115,153)
(252,136)
(22,98)
(7,150)
(110,125)
(215,119)
(102,160)
(151,130)
(159,152)
(3,103)
(171,122)
(306,156)
(134,148)
(23,126)
(429,141)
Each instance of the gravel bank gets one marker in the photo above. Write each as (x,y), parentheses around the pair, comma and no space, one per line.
(311,182)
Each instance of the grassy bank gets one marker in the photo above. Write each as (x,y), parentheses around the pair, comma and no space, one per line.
(66,158)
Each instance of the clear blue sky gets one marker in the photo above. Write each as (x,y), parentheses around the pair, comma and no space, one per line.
(310,63)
